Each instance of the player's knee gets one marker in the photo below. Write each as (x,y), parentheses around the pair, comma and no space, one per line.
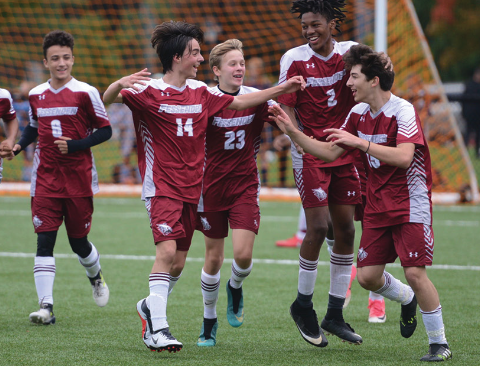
(80,246)
(317,230)
(367,280)
(46,243)
(416,277)
(243,261)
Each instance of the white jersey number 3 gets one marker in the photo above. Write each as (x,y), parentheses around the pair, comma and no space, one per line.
(184,128)
(230,143)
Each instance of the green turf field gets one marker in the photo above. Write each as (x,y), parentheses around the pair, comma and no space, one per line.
(88,335)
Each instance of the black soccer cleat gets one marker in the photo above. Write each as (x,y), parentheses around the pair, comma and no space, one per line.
(408,318)
(437,353)
(341,329)
(307,323)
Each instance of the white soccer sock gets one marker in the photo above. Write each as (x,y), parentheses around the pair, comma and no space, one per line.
(239,275)
(157,300)
(395,290)
(44,274)
(307,275)
(302,224)
(173,281)
(374,296)
(340,271)
(330,244)
(433,321)
(210,287)
(91,263)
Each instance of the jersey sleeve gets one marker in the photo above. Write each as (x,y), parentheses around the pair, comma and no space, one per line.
(8,113)
(135,100)
(287,70)
(216,101)
(96,109)
(409,129)
(32,112)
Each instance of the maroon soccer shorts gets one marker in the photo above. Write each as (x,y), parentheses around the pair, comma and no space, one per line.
(49,213)
(411,242)
(241,216)
(171,219)
(334,185)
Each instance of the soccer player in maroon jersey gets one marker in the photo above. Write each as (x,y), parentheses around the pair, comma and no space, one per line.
(10,122)
(230,190)
(170,116)
(63,114)
(398,212)
(325,188)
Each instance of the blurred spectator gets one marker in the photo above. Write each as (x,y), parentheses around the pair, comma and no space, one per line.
(471,110)
(256,77)
(211,37)
(282,145)
(21,105)
(123,130)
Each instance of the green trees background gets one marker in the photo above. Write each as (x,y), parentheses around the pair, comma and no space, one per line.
(452,28)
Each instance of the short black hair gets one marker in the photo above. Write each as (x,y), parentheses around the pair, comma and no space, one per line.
(170,39)
(373,64)
(57,38)
(330,9)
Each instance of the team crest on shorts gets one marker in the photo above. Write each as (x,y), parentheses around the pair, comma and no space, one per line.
(37,222)
(206,226)
(164,228)
(362,254)
(320,194)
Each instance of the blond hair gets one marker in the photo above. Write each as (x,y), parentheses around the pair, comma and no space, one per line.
(221,49)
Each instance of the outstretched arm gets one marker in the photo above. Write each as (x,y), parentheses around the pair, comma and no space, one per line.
(11,131)
(325,151)
(112,94)
(67,145)
(254,99)
(399,156)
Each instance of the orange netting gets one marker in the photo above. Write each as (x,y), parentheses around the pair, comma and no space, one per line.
(113,39)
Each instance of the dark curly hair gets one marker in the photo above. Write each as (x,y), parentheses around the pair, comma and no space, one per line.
(57,38)
(170,39)
(373,64)
(330,9)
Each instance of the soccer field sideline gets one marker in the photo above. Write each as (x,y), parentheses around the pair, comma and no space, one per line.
(199,259)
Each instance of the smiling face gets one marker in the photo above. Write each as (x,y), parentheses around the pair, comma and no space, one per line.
(59,62)
(318,32)
(191,60)
(360,86)
(231,71)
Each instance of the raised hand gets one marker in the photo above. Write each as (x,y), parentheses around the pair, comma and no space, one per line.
(294,83)
(140,77)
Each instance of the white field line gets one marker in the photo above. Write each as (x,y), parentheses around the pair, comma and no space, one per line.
(264,218)
(201,260)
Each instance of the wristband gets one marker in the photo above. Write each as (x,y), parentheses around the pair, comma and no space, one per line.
(368,147)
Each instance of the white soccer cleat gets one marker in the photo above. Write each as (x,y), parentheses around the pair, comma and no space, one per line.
(162,340)
(144,314)
(44,316)
(100,291)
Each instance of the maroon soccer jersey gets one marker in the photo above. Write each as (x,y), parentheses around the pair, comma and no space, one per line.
(326,100)
(170,124)
(7,112)
(73,111)
(394,195)
(233,140)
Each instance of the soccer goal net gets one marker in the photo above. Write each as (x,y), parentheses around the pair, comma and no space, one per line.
(112,39)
